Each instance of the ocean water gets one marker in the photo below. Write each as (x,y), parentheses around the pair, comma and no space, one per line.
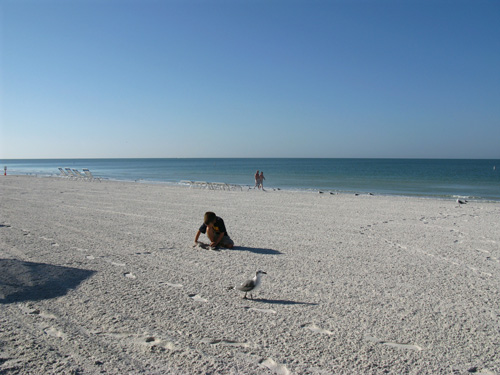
(474,179)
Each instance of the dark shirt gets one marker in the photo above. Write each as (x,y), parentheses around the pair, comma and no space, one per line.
(219,227)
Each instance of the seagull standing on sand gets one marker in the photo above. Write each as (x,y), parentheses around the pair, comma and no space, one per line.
(460,201)
(252,284)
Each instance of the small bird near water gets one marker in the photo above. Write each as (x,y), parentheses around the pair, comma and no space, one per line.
(252,284)
(461,201)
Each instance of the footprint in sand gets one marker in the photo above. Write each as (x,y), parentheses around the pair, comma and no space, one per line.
(174,285)
(477,270)
(197,298)
(276,368)
(129,275)
(267,311)
(51,331)
(314,328)
(488,241)
(51,240)
(402,346)
(47,315)
(116,264)
(481,371)
(155,344)
(226,343)
(394,344)
(37,312)
(79,249)
(150,343)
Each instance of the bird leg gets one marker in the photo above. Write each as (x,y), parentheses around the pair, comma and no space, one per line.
(245,296)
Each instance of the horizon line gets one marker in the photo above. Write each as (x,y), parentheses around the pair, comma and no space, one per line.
(244,157)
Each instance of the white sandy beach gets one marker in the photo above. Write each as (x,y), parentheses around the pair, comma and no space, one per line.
(102,278)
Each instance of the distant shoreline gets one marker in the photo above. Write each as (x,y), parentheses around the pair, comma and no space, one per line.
(440,178)
(279,190)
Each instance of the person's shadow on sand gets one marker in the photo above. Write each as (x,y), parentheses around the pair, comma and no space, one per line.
(26,281)
(257,250)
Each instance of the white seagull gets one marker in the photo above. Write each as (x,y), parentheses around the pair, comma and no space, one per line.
(460,201)
(252,284)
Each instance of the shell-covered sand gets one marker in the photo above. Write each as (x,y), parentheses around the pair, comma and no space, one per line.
(101,277)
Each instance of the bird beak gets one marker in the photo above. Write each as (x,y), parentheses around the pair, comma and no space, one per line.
(265,273)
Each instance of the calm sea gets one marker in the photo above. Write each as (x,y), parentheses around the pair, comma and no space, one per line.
(475,179)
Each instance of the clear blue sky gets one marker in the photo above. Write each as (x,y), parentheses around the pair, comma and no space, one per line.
(256,78)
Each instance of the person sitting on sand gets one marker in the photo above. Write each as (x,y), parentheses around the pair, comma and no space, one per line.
(213,226)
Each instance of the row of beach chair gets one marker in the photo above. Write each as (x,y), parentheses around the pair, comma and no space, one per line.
(76,174)
(87,176)
(211,185)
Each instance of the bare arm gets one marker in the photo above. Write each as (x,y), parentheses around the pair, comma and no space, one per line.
(197,236)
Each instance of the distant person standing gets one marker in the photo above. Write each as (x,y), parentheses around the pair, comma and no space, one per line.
(5,171)
(257,179)
(261,180)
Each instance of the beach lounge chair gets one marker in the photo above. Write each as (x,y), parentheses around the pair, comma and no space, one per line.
(70,173)
(218,186)
(202,184)
(225,186)
(79,175)
(90,176)
(235,187)
(64,173)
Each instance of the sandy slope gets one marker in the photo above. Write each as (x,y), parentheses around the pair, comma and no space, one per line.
(102,278)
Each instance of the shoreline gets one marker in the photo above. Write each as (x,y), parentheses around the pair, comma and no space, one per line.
(293,190)
(102,277)
(448,178)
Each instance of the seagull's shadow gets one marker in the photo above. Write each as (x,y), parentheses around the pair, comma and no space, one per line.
(282,302)
(257,250)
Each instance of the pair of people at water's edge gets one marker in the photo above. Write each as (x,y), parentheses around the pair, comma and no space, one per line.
(213,226)
(259,180)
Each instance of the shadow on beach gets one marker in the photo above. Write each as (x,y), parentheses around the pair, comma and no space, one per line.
(283,302)
(257,250)
(26,281)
